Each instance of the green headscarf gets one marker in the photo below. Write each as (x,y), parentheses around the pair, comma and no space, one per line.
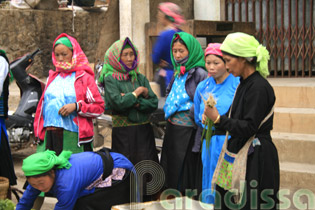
(65,41)
(196,55)
(42,162)
(3,53)
(246,46)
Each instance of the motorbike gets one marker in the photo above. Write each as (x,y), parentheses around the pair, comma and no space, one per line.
(20,124)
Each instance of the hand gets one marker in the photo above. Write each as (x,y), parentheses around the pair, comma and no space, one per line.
(211,113)
(142,91)
(122,94)
(67,109)
(163,63)
(162,73)
(145,92)
(204,118)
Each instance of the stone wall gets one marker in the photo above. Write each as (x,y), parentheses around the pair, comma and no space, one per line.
(22,31)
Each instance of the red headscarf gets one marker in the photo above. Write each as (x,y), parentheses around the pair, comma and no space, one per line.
(79,59)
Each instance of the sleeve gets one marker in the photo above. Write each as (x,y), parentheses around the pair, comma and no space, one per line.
(28,198)
(256,107)
(158,50)
(4,69)
(67,200)
(197,101)
(150,104)
(113,95)
(93,105)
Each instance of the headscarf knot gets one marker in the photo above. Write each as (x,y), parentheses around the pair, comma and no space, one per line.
(262,55)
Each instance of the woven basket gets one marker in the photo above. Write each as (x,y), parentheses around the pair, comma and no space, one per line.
(4,186)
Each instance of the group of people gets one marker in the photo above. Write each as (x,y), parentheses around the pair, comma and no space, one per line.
(239,146)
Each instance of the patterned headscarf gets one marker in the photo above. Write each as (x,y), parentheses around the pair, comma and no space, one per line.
(173,13)
(246,46)
(196,55)
(79,59)
(114,67)
(43,162)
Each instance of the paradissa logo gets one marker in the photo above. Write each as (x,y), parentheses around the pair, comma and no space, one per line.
(299,199)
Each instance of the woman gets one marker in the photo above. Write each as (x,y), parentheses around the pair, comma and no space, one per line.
(63,119)
(188,60)
(130,99)
(171,18)
(249,117)
(75,182)
(222,85)
(6,163)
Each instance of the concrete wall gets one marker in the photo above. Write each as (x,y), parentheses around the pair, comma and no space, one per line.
(22,31)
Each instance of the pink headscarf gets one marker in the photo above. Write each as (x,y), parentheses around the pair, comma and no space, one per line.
(213,49)
(79,59)
(173,11)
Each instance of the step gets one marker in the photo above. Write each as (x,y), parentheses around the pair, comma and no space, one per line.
(294,179)
(294,92)
(294,120)
(295,147)
(297,175)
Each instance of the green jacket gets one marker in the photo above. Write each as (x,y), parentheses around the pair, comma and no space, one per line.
(125,105)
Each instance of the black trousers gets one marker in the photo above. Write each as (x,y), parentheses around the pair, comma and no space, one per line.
(105,198)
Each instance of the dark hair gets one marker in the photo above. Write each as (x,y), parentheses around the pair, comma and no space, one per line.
(64,45)
(229,54)
(252,62)
(180,41)
(217,56)
(48,173)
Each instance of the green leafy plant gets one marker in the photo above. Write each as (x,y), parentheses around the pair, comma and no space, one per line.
(7,205)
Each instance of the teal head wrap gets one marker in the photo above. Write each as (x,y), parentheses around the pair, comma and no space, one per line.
(43,162)
(246,46)
(65,41)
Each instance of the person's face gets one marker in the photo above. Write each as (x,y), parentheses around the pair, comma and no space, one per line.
(42,183)
(179,51)
(63,53)
(215,66)
(127,57)
(234,65)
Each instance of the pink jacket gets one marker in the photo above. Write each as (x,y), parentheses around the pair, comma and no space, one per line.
(92,106)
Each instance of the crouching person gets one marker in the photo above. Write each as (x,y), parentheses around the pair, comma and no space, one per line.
(87,180)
